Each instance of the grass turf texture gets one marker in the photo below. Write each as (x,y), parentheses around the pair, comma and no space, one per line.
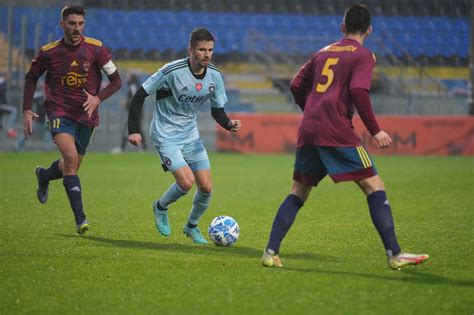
(334,260)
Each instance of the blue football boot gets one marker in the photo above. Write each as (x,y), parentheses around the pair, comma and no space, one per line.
(194,234)
(161,220)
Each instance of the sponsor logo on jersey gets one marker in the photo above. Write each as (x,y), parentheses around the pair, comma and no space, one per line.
(198,86)
(74,79)
(190,99)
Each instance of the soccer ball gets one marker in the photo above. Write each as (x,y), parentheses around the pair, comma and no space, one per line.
(224,231)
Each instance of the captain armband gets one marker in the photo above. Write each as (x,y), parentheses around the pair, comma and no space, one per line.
(109,68)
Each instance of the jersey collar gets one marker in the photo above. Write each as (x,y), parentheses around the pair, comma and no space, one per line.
(197,76)
(72,47)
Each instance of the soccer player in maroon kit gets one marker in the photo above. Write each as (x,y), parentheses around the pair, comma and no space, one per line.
(73,65)
(327,88)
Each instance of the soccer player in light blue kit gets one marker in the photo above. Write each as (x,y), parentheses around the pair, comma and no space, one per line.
(181,87)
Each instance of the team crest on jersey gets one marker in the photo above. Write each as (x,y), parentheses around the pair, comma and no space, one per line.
(167,161)
(198,86)
(211,87)
(87,66)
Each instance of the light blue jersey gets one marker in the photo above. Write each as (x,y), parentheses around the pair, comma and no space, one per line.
(179,94)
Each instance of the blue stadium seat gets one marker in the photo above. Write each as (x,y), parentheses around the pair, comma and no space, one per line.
(294,33)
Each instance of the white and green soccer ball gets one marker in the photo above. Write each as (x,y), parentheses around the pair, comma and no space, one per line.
(224,231)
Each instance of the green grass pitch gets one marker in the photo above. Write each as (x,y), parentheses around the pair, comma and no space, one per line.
(334,260)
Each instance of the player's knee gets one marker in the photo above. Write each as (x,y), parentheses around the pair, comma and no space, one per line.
(186,184)
(206,189)
(375,187)
(378,184)
(371,184)
(71,161)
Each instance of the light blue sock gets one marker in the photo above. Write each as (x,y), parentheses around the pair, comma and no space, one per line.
(200,204)
(173,193)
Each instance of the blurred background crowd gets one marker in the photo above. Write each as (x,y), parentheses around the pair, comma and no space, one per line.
(423,50)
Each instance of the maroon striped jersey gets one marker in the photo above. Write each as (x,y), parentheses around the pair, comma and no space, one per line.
(322,88)
(69,71)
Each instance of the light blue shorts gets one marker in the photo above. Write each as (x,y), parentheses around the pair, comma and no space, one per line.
(175,156)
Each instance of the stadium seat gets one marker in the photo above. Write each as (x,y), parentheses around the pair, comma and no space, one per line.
(245,29)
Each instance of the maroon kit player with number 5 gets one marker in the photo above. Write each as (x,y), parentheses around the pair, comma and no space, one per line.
(326,88)
(73,68)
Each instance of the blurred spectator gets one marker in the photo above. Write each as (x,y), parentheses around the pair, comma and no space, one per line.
(39,124)
(5,108)
(134,84)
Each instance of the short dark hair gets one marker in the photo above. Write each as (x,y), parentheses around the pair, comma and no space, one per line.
(72,9)
(200,34)
(357,19)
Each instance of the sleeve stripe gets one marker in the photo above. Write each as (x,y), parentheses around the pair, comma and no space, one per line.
(93,41)
(50,45)
(176,67)
(211,66)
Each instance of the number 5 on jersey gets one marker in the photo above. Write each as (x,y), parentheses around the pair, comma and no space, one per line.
(327,72)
